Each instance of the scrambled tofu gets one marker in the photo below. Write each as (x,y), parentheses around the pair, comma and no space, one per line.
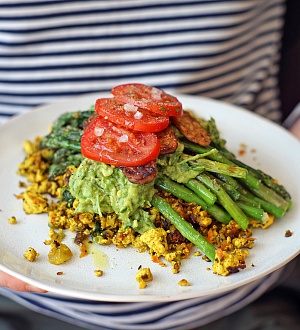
(98,272)
(229,262)
(164,243)
(31,254)
(35,169)
(184,282)
(34,203)
(55,236)
(243,242)
(143,276)
(124,238)
(156,240)
(265,225)
(12,220)
(62,216)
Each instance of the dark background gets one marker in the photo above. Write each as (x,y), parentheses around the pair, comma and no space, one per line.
(289,75)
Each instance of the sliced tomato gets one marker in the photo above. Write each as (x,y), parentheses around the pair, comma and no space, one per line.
(130,116)
(112,144)
(148,97)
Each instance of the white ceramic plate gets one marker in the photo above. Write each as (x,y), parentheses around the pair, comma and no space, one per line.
(267,146)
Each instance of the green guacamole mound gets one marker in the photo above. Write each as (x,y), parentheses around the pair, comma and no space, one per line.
(102,188)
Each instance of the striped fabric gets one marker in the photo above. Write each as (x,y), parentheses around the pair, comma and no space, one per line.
(226,50)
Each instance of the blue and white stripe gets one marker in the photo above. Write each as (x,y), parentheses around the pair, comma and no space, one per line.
(226,50)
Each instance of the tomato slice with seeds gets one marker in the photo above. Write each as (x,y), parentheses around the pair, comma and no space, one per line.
(112,144)
(130,116)
(148,97)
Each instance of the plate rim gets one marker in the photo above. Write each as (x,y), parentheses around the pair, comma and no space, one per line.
(105,297)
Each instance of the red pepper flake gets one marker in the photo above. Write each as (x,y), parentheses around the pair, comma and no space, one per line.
(242,150)
(155,258)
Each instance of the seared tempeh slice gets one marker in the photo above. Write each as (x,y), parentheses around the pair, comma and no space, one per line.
(140,174)
(191,129)
(167,140)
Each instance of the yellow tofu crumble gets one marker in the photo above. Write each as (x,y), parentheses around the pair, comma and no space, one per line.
(143,276)
(31,254)
(184,282)
(12,220)
(98,272)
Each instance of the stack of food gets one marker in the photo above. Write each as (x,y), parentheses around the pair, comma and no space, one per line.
(137,170)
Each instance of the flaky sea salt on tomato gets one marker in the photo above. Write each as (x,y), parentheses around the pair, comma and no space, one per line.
(148,97)
(112,144)
(130,116)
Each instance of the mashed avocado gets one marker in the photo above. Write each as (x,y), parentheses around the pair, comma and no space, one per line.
(102,188)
